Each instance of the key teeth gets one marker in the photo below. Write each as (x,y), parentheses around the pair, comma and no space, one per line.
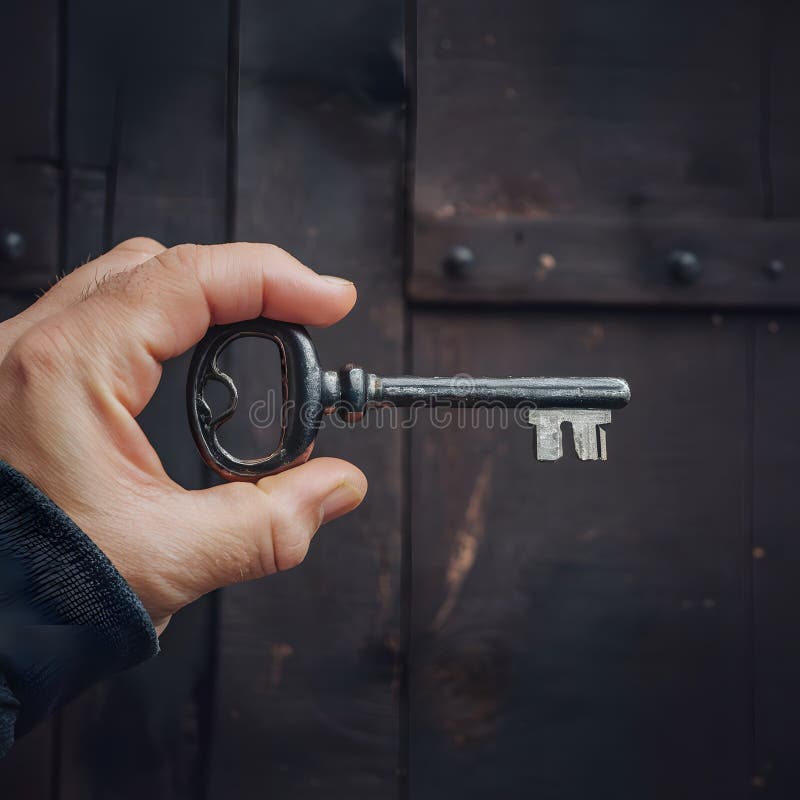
(548,444)
(584,437)
(588,436)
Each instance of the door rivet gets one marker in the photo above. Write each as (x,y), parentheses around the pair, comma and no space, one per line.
(684,266)
(12,245)
(458,261)
(775,268)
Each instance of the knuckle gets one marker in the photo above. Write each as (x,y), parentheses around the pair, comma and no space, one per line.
(141,245)
(42,350)
(276,255)
(277,250)
(290,535)
(185,263)
(184,256)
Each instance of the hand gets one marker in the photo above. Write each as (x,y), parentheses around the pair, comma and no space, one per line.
(82,362)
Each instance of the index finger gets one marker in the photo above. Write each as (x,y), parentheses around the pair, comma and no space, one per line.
(158,310)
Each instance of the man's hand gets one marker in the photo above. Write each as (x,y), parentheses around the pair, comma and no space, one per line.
(80,364)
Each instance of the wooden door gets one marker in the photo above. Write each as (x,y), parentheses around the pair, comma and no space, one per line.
(621,183)
(620,179)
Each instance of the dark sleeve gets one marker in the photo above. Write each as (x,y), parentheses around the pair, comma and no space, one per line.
(67,617)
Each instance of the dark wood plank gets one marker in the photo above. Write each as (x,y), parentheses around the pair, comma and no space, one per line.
(582,629)
(609,263)
(632,115)
(146,156)
(29,139)
(309,660)
(781,122)
(86,214)
(589,106)
(776,444)
(94,77)
(776,556)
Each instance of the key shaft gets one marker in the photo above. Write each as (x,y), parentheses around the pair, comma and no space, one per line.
(354,390)
(509,392)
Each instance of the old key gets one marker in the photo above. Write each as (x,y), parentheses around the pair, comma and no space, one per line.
(309,392)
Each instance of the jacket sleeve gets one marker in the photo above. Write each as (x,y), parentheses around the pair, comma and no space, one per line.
(67,618)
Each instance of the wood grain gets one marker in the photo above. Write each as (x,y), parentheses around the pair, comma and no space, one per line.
(775,555)
(557,120)
(582,629)
(775,442)
(309,660)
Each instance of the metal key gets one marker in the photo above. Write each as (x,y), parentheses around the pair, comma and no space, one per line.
(309,393)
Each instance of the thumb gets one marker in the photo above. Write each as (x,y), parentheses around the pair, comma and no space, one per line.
(244,530)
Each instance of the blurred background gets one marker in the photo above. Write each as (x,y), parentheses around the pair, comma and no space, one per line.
(585,187)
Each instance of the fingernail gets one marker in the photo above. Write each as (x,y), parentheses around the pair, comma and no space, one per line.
(345,497)
(337,280)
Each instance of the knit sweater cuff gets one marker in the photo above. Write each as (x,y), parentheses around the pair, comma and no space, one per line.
(67,617)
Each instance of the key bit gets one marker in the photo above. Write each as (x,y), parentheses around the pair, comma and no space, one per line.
(309,393)
(587,435)
(547,444)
